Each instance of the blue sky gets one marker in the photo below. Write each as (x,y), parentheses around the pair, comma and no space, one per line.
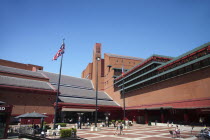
(31,31)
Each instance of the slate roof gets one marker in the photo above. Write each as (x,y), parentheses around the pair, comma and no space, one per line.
(84,93)
(68,80)
(87,101)
(20,71)
(27,83)
(78,90)
(122,56)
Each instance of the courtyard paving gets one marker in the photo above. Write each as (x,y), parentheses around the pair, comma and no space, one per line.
(137,132)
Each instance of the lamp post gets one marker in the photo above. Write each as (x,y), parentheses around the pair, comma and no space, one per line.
(96,115)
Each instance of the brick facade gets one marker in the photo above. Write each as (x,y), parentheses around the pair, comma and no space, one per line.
(88,72)
(191,86)
(177,96)
(27,101)
(163,100)
(20,65)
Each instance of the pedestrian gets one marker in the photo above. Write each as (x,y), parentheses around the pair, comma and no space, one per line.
(116,127)
(121,128)
(177,131)
(168,123)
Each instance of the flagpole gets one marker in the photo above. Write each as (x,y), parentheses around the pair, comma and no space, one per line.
(123,102)
(123,97)
(58,88)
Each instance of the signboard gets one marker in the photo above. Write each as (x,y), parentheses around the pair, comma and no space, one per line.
(2,108)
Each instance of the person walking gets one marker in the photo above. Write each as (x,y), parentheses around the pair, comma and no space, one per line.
(121,128)
(116,127)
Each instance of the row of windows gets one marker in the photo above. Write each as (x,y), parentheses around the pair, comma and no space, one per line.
(182,61)
(154,58)
(160,60)
(184,70)
(124,62)
(142,72)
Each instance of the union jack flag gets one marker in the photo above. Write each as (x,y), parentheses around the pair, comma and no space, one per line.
(60,52)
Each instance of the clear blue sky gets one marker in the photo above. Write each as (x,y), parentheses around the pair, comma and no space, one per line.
(31,31)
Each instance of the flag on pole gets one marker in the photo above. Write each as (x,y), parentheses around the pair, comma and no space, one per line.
(122,70)
(60,52)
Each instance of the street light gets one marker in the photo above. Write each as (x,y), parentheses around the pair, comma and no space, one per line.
(96,117)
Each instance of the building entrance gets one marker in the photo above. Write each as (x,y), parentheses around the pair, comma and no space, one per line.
(82,117)
(73,117)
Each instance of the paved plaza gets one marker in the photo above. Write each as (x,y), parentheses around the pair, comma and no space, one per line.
(137,132)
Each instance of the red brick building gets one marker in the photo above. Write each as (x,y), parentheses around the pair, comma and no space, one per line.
(28,88)
(159,88)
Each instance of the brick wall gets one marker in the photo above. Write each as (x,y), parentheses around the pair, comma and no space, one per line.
(27,102)
(115,62)
(191,86)
(97,53)
(20,65)
(87,73)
